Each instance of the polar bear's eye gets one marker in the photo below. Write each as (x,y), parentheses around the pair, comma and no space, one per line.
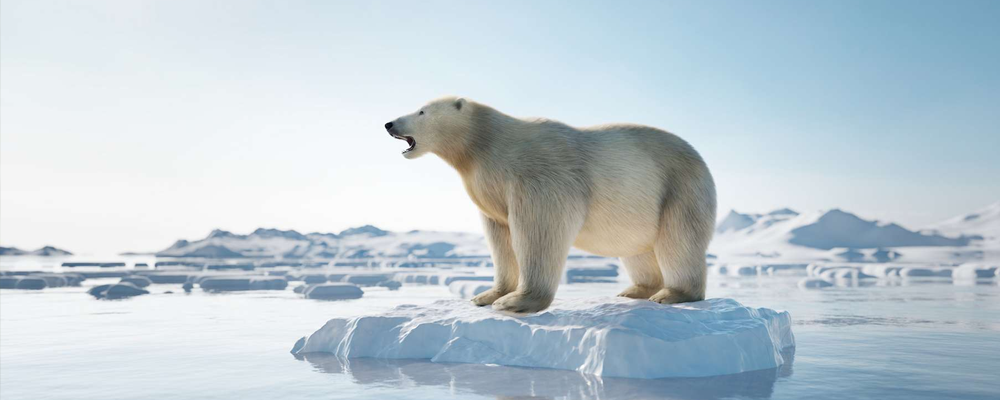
(421,113)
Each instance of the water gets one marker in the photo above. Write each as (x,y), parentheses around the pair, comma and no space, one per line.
(912,340)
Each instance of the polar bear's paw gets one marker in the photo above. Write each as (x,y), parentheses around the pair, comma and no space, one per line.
(672,296)
(522,303)
(488,297)
(639,292)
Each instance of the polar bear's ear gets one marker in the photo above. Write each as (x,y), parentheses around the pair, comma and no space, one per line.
(459,103)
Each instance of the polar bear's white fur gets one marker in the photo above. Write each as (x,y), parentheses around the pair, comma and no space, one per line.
(628,191)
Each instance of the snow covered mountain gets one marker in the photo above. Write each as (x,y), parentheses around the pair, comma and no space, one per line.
(835,235)
(984,222)
(361,242)
(785,234)
(749,223)
(44,251)
(824,230)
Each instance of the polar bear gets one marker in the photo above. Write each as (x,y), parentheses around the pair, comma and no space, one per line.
(628,191)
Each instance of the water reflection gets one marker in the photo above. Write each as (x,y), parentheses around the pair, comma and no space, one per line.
(505,382)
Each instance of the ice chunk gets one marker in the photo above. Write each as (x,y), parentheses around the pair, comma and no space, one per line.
(429,278)
(479,278)
(313,279)
(840,273)
(814,283)
(882,270)
(974,271)
(18,282)
(221,284)
(123,290)
(743,270)
(74,279)
(366,279)
(408,277)
(333,291)
(52,280)
(850,273)
(392,285)
(469,289)
(608,337)
(8,282)
(116,291)
(166,276)
(104,274)
(717,270)
(223,267)
(921,272)
(93,264)
(31,283)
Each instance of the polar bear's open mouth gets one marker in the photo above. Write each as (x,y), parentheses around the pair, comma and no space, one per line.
(409,140)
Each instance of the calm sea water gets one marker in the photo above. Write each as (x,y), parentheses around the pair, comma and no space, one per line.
(918,340)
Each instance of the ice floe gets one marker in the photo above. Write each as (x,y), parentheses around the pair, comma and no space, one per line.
(363,279)
(612,337)
(166,276)
(765,269)
(814,283)
(333,291)
(438,278)
(34,280)
(238,283)
(975,271)
(116,291)
(25,283)
(391,285)
(9,282)
(924,272)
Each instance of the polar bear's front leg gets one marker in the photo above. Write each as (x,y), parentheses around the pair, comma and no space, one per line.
(541,234)
(505,269)
(645,275)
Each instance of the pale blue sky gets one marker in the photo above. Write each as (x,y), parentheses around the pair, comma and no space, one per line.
(125,125)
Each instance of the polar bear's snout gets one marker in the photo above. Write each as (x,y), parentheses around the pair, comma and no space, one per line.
(389,127)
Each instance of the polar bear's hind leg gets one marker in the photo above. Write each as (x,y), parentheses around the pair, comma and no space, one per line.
(686,229)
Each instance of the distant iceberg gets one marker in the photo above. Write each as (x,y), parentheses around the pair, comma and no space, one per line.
(44,251)
(612,337)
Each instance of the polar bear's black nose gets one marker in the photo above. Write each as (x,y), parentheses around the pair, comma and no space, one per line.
(388,125)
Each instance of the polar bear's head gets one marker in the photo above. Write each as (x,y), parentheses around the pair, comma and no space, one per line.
(436,127)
